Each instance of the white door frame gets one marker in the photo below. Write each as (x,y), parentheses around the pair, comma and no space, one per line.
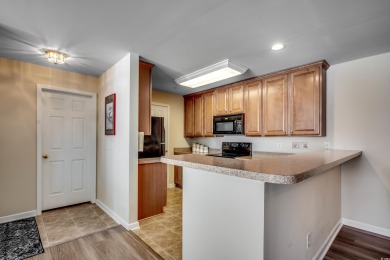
(92,134)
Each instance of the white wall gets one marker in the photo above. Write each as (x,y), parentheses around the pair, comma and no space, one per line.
(223,216)
(360,92)
(117,154)
(267,143)
(292,211)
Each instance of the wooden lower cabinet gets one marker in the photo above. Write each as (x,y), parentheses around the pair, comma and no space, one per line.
(178,170)
(152,189)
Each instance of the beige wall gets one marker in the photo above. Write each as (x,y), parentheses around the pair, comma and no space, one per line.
(176,124)
(18,88)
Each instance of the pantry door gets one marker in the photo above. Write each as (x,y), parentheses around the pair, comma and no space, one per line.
(68,151)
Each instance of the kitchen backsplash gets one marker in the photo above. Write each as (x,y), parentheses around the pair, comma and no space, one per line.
(271,144)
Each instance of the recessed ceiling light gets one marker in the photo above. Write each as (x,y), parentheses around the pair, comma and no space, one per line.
(277,46)
(216,72)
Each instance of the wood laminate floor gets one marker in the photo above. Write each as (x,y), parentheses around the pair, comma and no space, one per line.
(115,243)
(352,243)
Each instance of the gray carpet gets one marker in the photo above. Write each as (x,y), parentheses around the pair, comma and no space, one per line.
(19,239)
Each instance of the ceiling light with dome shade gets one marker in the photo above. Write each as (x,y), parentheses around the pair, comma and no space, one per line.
(55,57)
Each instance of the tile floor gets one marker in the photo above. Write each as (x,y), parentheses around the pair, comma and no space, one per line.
(163,232)
(65,224)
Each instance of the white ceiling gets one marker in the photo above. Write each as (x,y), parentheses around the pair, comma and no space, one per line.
(181,36)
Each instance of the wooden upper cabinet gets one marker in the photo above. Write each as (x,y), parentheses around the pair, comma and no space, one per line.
(290,102)
(236,99)
(252,101)
(305,108)
(275,94)
(229,100)
(221,100)
(198,115)
(208,106)
(145,92)
(189,116)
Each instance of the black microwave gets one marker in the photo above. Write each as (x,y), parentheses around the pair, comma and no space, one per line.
(229,124)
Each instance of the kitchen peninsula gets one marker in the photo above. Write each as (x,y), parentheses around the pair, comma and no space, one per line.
(267,207)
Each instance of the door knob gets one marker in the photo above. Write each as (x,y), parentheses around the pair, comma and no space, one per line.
(45,156)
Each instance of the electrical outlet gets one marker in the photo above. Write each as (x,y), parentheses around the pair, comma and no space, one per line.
(304,145)
(327,145)
(300,145)
(308,240)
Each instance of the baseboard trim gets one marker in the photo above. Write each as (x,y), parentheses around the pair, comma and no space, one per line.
(113,215)
(18,216)
(367,227)
(328,241)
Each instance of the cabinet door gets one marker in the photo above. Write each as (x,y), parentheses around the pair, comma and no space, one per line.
(152,189)
(208,100)
(236,99)
(189,116)
(145,88)
(305,102)
(221,99)
(253,115)
(275,105)
(178,170)
(198,115)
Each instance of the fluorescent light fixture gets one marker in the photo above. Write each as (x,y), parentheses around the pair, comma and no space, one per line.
(55,57)
(216,72)
(277,46)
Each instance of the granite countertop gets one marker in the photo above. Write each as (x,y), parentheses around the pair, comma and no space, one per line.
(282,169)
(149,160)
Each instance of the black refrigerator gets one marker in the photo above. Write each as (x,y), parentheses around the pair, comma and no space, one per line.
(154,144)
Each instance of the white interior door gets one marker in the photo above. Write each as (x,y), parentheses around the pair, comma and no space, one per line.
(161,110)
(66,149)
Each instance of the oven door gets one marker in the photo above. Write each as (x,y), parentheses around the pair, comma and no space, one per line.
(224,127)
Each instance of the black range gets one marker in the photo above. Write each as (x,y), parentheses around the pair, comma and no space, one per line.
(234,149)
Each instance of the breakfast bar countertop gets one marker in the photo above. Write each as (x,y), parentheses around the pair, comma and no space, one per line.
(284,169)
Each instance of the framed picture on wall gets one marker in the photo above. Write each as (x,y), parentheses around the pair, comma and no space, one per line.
(110,112)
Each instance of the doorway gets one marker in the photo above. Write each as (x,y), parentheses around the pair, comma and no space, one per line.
(66,147)
(162,110)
